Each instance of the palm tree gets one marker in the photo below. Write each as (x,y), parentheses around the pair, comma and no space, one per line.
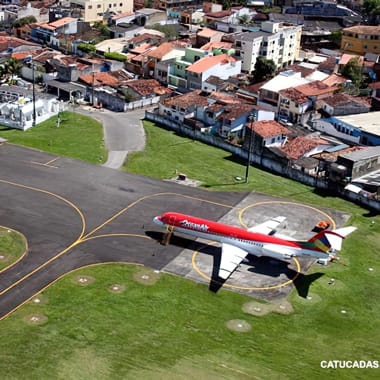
(12,67)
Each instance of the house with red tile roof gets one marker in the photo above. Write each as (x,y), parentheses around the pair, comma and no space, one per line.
(46,33)
(223,114)
(343,104)
(222,66)
(265,133)
(296,104)
(304,146)
(144,88)
(207,35)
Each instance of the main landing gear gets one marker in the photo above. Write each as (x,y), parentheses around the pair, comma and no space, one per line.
(167,235)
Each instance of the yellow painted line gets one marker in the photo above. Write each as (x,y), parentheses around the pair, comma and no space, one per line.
(125,209)
(53,195)
(59,254)
(242,211)
(22,256)
(65,274)
(115,235)
(253,288)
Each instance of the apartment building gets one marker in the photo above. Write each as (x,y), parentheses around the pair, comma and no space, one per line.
(274,41)
(95,10)
(361,39)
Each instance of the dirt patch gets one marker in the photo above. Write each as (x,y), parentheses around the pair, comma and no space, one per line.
(39,299)
(83,280)
(117,288)
(256,308)
(283,307)
(146,276)
(238,325)
(35,319)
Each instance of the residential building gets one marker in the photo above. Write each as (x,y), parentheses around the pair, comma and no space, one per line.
(274,41)
(173,4)
(222,66)
(96,10)
(361,39)
(363,129)
(46,33)
(360,162)
(343,104)
(268,94)
(207,35)
(264,133)
(164,52)
(17,107)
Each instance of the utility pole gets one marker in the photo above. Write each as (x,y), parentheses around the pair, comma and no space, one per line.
(93,85)
(34,94)
(251,120)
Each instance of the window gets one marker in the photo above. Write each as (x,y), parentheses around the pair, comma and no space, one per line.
(90,7)
(110,5)
(121,4)
(99,6)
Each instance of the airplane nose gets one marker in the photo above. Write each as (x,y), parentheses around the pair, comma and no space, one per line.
(158,220)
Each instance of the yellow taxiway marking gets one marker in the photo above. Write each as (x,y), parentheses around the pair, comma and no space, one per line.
(243,210)
(238,287)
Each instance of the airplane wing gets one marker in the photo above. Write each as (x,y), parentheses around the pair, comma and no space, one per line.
(231,258)
(268,227)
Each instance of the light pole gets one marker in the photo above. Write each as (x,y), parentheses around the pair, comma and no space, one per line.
(251,120)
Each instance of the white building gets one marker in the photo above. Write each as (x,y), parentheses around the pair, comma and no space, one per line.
(17,109)
(274,41)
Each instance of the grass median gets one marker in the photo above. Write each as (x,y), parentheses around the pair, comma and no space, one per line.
(78,136)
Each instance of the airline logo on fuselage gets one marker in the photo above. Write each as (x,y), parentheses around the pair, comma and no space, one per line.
(194,226)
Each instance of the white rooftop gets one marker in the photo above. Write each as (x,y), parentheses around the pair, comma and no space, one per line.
(317,75)
(368,122)
(285,79)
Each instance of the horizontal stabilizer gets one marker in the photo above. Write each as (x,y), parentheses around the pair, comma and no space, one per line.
(337,237)
(268,227)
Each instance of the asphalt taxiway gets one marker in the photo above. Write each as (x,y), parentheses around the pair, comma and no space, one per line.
(75,214)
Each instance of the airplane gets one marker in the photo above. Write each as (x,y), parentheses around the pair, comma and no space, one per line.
(260,240)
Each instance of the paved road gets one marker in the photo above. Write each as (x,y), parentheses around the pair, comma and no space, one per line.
(123,133)
(74,214)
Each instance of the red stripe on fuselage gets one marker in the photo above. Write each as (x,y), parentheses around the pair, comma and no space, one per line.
(206,226)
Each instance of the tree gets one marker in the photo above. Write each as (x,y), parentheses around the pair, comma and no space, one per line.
(169,31)
(264,69)
(371,8)
(24,21)
(244,19)
(353,71)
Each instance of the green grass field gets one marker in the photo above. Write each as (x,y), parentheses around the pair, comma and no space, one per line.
(176,329)
(12,246)
(78,137)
